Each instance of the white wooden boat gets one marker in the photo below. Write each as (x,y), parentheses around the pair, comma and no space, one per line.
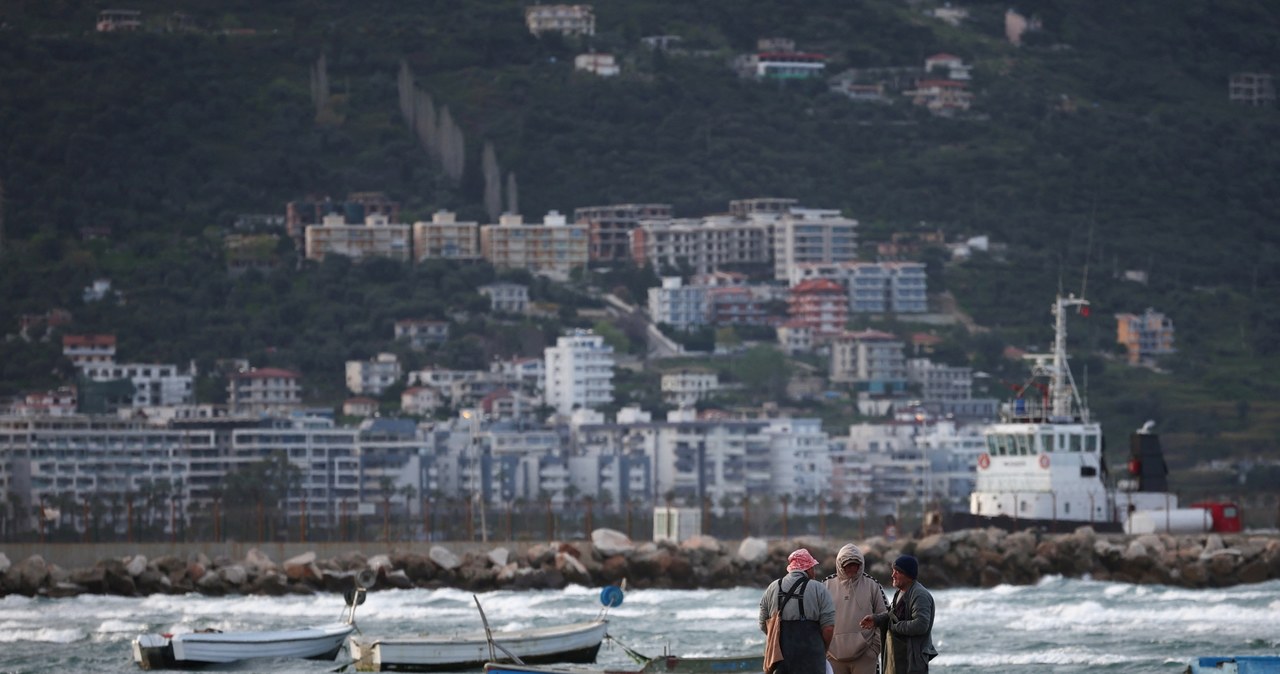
(211,647)
(575,642)
(194,649)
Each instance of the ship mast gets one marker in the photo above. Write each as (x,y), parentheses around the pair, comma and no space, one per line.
(1062,388)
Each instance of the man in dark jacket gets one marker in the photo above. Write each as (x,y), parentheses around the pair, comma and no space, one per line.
(908,624)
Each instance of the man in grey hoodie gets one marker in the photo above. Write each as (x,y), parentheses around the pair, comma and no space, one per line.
(854,650)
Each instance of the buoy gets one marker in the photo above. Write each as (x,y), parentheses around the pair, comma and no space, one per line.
(611,596)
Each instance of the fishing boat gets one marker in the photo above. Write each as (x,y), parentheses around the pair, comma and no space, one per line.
(1044,464)
(212,647)
(576,643)
(1240,664)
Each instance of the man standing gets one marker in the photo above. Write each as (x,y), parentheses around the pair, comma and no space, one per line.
(908,623)
(807,615)
(854,649)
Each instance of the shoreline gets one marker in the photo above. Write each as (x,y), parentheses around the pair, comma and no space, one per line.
(966,558)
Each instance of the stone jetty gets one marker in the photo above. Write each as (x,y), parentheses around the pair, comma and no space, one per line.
(969,558)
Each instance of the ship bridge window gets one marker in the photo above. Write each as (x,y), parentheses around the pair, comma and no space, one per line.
(1024,444)
(1075,443)
(1090,443)
(1046,442)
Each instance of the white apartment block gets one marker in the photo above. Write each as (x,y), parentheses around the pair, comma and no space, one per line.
(882,465)
(579,372)
(873,287)
(563,19)
(603,65)
(377,237)
(700,245)
(527,374)
(265,390)
(887,287)
(685,388)
(420,333)
(67,461)
(795,338)
(154,384)
(680,306)
(511,298)
(372,377)
(873,361)
(551,249)
(444,238)
(420,400)
(811,235)
(801,459)
(940,382)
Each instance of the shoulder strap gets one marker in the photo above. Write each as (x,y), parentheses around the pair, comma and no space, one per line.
(796,591)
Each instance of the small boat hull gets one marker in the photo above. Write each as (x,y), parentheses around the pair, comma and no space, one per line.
(667,664)
(575,643)
(1240,664)
(199,649)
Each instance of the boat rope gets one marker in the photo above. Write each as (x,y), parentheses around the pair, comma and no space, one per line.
(634,654)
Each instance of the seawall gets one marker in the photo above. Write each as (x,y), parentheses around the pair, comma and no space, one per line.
(968,558)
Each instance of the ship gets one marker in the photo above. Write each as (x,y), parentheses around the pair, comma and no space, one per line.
(1044,465)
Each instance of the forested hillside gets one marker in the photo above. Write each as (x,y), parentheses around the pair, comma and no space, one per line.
(1104,143)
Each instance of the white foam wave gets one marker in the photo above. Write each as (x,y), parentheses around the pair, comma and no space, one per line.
(53,635)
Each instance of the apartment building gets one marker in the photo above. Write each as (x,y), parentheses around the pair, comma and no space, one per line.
(610,227)
(1145,336)
(376,237)
(87,350)
(686,388)
(821,305)
(511,298)
(372,377)
(265,390)
(421,333)
(444,238)
(562,19)
(579,372)
(680,306)
(552,248)
(871,360)
(809,235)
(699,246)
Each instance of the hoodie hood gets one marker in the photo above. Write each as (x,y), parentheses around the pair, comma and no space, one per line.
(849,553)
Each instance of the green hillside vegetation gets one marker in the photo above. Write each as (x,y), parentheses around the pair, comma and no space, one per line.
(1105,143)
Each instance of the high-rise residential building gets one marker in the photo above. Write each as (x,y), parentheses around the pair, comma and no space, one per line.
(579,371)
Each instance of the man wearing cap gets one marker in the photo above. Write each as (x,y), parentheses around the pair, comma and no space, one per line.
(908,624)
(808,615)
(854,649)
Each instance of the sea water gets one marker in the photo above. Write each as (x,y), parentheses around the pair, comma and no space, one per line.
(1057,625)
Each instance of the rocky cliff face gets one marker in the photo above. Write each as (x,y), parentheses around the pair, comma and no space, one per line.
(970,558)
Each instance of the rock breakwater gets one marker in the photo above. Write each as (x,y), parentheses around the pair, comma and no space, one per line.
(969,558)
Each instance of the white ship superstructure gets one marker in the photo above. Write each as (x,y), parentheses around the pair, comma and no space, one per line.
(1044,459)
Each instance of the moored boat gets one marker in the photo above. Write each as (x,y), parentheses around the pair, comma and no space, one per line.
(574,643)
(1044,464)
(666,664)
(1239,664)
(212,647)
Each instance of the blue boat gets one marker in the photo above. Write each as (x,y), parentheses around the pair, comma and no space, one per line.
(1239,664)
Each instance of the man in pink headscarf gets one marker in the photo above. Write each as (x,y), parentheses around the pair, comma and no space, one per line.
(807,613)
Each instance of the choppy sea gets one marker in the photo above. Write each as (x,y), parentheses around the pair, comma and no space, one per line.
(1058,625)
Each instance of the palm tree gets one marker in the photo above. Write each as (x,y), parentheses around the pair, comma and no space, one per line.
(786,503)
